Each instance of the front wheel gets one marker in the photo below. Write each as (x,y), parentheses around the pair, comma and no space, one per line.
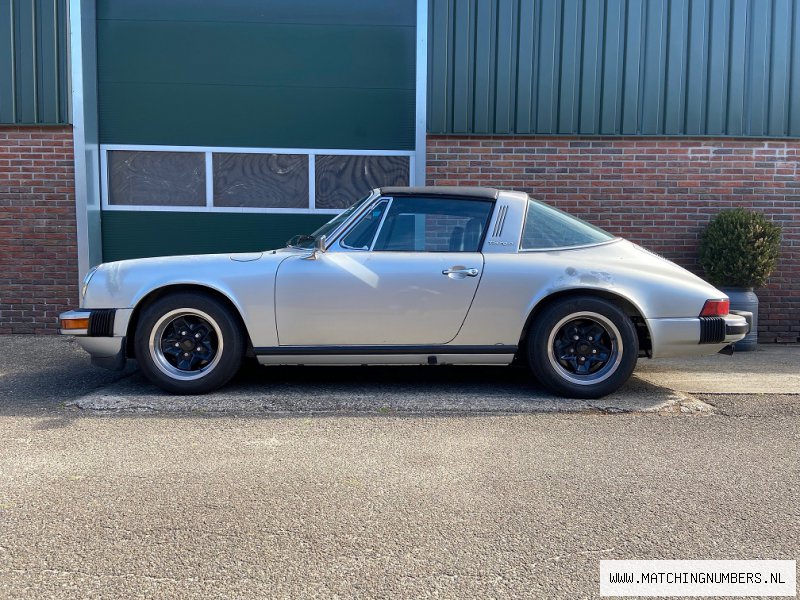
(582,347)
(188,343)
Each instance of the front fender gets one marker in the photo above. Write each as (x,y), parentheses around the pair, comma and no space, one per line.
(249,286)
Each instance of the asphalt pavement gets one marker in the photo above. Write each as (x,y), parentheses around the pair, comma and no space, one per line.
(385,483)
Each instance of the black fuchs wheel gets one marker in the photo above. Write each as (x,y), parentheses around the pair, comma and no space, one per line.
(189,343)
(582,347)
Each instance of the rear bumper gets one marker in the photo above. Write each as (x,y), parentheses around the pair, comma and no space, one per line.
(739,328)
(696,336)
(714,330)
(103,337)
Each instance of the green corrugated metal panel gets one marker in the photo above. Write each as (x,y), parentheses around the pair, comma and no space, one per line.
(649,67)
(136,234)
(310,74)
(33,62)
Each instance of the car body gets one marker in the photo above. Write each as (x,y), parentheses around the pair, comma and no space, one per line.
(430,275)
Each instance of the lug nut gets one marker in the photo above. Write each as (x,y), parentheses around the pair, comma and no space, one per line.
(177,345)
(583,358)
(183,333)
(572,350)
(594,351)
(197,335)
(591,338)
(575,337)
(186,354)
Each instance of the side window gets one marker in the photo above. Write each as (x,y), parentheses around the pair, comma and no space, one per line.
(433,225)
(362,234)
(547,227)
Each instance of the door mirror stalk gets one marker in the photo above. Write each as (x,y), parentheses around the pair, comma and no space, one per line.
(319,248)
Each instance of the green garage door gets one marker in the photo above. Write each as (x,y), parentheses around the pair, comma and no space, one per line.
(246,122)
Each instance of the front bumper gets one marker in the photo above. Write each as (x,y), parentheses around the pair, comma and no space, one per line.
(101,332)
(696,336)
(99,322)
(72,322)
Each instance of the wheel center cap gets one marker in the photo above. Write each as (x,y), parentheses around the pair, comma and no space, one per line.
(187,345)
(584,348)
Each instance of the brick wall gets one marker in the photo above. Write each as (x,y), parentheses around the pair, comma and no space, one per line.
(38,254)
(658,192)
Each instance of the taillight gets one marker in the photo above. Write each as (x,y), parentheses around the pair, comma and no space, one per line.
(716,308)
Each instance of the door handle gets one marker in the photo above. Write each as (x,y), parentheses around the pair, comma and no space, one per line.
(460,272)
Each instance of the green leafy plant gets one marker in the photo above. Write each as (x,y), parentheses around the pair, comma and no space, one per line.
(739,248)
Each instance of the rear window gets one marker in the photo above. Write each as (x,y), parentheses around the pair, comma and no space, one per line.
(547,227)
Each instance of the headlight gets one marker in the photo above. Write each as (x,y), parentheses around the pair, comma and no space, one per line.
(86,281)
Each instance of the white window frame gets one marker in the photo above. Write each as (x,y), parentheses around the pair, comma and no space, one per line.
(208,151)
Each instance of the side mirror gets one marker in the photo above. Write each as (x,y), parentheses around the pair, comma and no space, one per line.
(319,248)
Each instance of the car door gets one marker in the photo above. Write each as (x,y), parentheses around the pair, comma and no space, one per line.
(405,274)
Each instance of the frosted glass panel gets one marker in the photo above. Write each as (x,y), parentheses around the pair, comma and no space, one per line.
(261,180)
(148,178)
(341,180)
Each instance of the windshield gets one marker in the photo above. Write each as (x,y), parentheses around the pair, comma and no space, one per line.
(307,241)
(547,227)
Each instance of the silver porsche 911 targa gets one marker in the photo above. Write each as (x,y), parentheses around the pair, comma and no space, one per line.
(429,275)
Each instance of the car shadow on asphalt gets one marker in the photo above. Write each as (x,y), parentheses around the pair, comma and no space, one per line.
(441,390)
(61,384)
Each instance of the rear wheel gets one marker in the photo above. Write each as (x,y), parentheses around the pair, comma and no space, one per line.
(582,347)
(189,343)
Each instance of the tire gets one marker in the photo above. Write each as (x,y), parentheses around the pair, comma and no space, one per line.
(189,343)
(582,347)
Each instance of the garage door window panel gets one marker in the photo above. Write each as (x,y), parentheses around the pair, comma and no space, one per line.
(341,177)
(260,180)
(147,178)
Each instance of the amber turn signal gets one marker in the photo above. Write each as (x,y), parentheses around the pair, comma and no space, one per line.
(716,308)
(75,323)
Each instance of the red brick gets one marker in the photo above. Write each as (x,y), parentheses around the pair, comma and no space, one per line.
(38,247)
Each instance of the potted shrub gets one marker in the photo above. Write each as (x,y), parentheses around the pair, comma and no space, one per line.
(738,252)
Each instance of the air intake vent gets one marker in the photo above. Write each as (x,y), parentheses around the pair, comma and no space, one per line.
(501,221)
(101,322)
